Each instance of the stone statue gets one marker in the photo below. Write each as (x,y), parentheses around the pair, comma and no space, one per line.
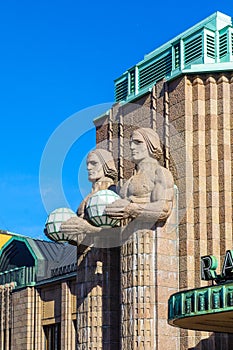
(101,172)
(147,195)
(103,175)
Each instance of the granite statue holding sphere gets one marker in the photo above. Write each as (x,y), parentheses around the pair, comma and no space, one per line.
(102,174)
(147,196)
(121,239)
(64,223)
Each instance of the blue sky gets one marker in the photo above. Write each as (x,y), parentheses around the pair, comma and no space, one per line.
(57,59)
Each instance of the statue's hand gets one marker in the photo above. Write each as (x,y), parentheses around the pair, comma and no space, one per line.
(133,210)
(77,225)
(122,209)
(116,209)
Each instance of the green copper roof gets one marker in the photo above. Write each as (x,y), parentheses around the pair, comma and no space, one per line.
(205,47)
(26,261)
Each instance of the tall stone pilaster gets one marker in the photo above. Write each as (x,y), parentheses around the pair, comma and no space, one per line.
(98,305)
(149,274)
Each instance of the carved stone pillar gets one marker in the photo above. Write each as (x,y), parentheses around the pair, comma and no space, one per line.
(98,306)
(149,274)
(138,291)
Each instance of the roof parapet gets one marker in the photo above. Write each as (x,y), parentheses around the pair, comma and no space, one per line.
(204,47)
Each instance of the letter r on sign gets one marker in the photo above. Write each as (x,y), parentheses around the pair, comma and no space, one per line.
(208,267)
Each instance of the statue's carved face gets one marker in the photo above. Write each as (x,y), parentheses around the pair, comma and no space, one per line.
(138,147)
(94,168)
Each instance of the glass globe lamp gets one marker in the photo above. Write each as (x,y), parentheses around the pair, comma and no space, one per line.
(54,221)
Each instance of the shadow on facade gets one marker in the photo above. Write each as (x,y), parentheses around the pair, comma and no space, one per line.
(217,341)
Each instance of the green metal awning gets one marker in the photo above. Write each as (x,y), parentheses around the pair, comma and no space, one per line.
(203,309)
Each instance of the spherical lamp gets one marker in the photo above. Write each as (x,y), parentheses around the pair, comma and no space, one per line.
(96,208)
(54,221)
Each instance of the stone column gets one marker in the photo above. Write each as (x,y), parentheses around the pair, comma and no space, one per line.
(149,275)
(138,291)
(67,343)
(23,319)
(98,298)
(39,334)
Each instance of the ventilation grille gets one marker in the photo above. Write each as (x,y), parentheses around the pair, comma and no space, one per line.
(156,71)
(222,45)
(51,302)
(193,49)
(121,90)
(232,43)
(177,55)
(132,81)
(210,46)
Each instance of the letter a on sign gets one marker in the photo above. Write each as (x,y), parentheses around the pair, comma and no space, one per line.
(227,269)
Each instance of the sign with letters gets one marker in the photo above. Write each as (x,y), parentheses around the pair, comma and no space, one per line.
(209,265)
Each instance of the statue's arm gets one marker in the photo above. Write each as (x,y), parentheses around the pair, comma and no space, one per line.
(158,209)
(161,197)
